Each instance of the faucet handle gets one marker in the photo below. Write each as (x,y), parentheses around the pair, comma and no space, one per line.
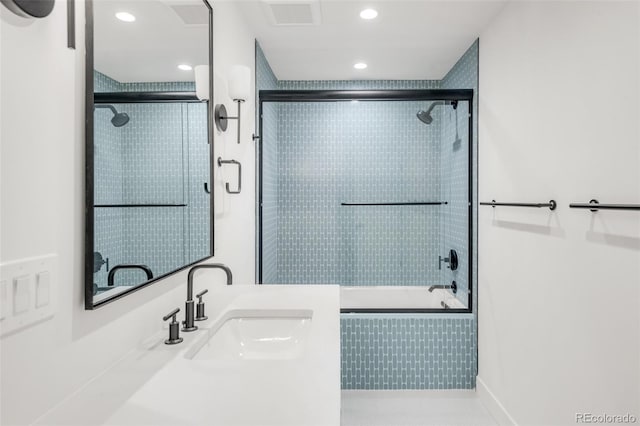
(202,293)
(200,316)
(174,328)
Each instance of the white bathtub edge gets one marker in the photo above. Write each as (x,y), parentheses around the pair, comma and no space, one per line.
(398,315)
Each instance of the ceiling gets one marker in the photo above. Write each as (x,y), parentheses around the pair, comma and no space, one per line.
(415,40)
(166,33)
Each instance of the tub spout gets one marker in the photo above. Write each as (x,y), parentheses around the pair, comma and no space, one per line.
(453,287)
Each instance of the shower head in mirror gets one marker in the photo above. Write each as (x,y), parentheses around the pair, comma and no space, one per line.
(119,118)
(425,116)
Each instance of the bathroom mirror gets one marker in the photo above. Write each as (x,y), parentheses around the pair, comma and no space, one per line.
(148,143)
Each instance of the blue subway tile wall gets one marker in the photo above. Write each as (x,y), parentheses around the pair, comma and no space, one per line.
(104,83)
(380,351)
(108,183)
(454,231)
(407,353)
(357,84)
(463,75)
(197,170)
(266,80)
(154,153)
(331,153)
(159,157)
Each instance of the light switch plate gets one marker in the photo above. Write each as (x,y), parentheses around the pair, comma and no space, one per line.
(43,279)
(21,294)
(28,292)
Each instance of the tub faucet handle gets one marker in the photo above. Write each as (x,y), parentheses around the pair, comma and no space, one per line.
(200,316)
(174,328)
(442,259)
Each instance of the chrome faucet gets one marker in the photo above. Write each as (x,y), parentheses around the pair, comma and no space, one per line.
(112,272)
(189,318)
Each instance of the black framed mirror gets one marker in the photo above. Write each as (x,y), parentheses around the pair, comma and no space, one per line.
(149,143)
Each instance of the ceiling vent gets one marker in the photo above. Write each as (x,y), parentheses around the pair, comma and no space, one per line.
(292,13)
(192,14)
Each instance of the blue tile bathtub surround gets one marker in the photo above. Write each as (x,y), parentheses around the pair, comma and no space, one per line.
(413,353)
(331,153)
(104,83)
(197,166)
(378,351)
(463,75)
(160,156)
(266,80)
(357,84)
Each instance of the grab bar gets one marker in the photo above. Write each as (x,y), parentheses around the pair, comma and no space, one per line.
(594,206)
(112,273)
(220,163)
(551,204)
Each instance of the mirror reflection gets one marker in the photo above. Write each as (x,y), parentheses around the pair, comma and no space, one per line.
(151,150)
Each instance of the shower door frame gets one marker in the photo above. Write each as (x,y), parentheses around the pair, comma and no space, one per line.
(465,95)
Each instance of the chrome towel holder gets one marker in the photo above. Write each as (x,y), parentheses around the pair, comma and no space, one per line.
(551,204)
(594,206)
(221,162)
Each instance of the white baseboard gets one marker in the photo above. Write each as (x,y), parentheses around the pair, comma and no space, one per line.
(491,403)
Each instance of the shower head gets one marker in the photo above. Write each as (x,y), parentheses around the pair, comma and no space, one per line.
(425,116)
(119,118)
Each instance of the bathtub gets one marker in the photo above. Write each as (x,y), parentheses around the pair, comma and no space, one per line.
(400,337)
(397,297)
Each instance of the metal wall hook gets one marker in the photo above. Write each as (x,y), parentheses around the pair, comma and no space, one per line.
(206,188)
(220,163)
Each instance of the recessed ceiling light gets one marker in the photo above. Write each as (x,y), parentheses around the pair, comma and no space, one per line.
(125,16)
(369,14)
(185,67)
(360,66)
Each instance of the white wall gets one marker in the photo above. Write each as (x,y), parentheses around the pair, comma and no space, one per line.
(42,184)
(235,214)
(559,292)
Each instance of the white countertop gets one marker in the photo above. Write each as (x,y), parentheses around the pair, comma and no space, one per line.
(158,385)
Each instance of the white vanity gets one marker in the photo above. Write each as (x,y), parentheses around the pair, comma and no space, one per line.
(267,355)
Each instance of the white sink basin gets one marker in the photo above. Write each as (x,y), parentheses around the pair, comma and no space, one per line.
(264,334)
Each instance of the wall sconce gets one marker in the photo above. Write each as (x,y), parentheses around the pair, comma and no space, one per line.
(239,91)
(202,81)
